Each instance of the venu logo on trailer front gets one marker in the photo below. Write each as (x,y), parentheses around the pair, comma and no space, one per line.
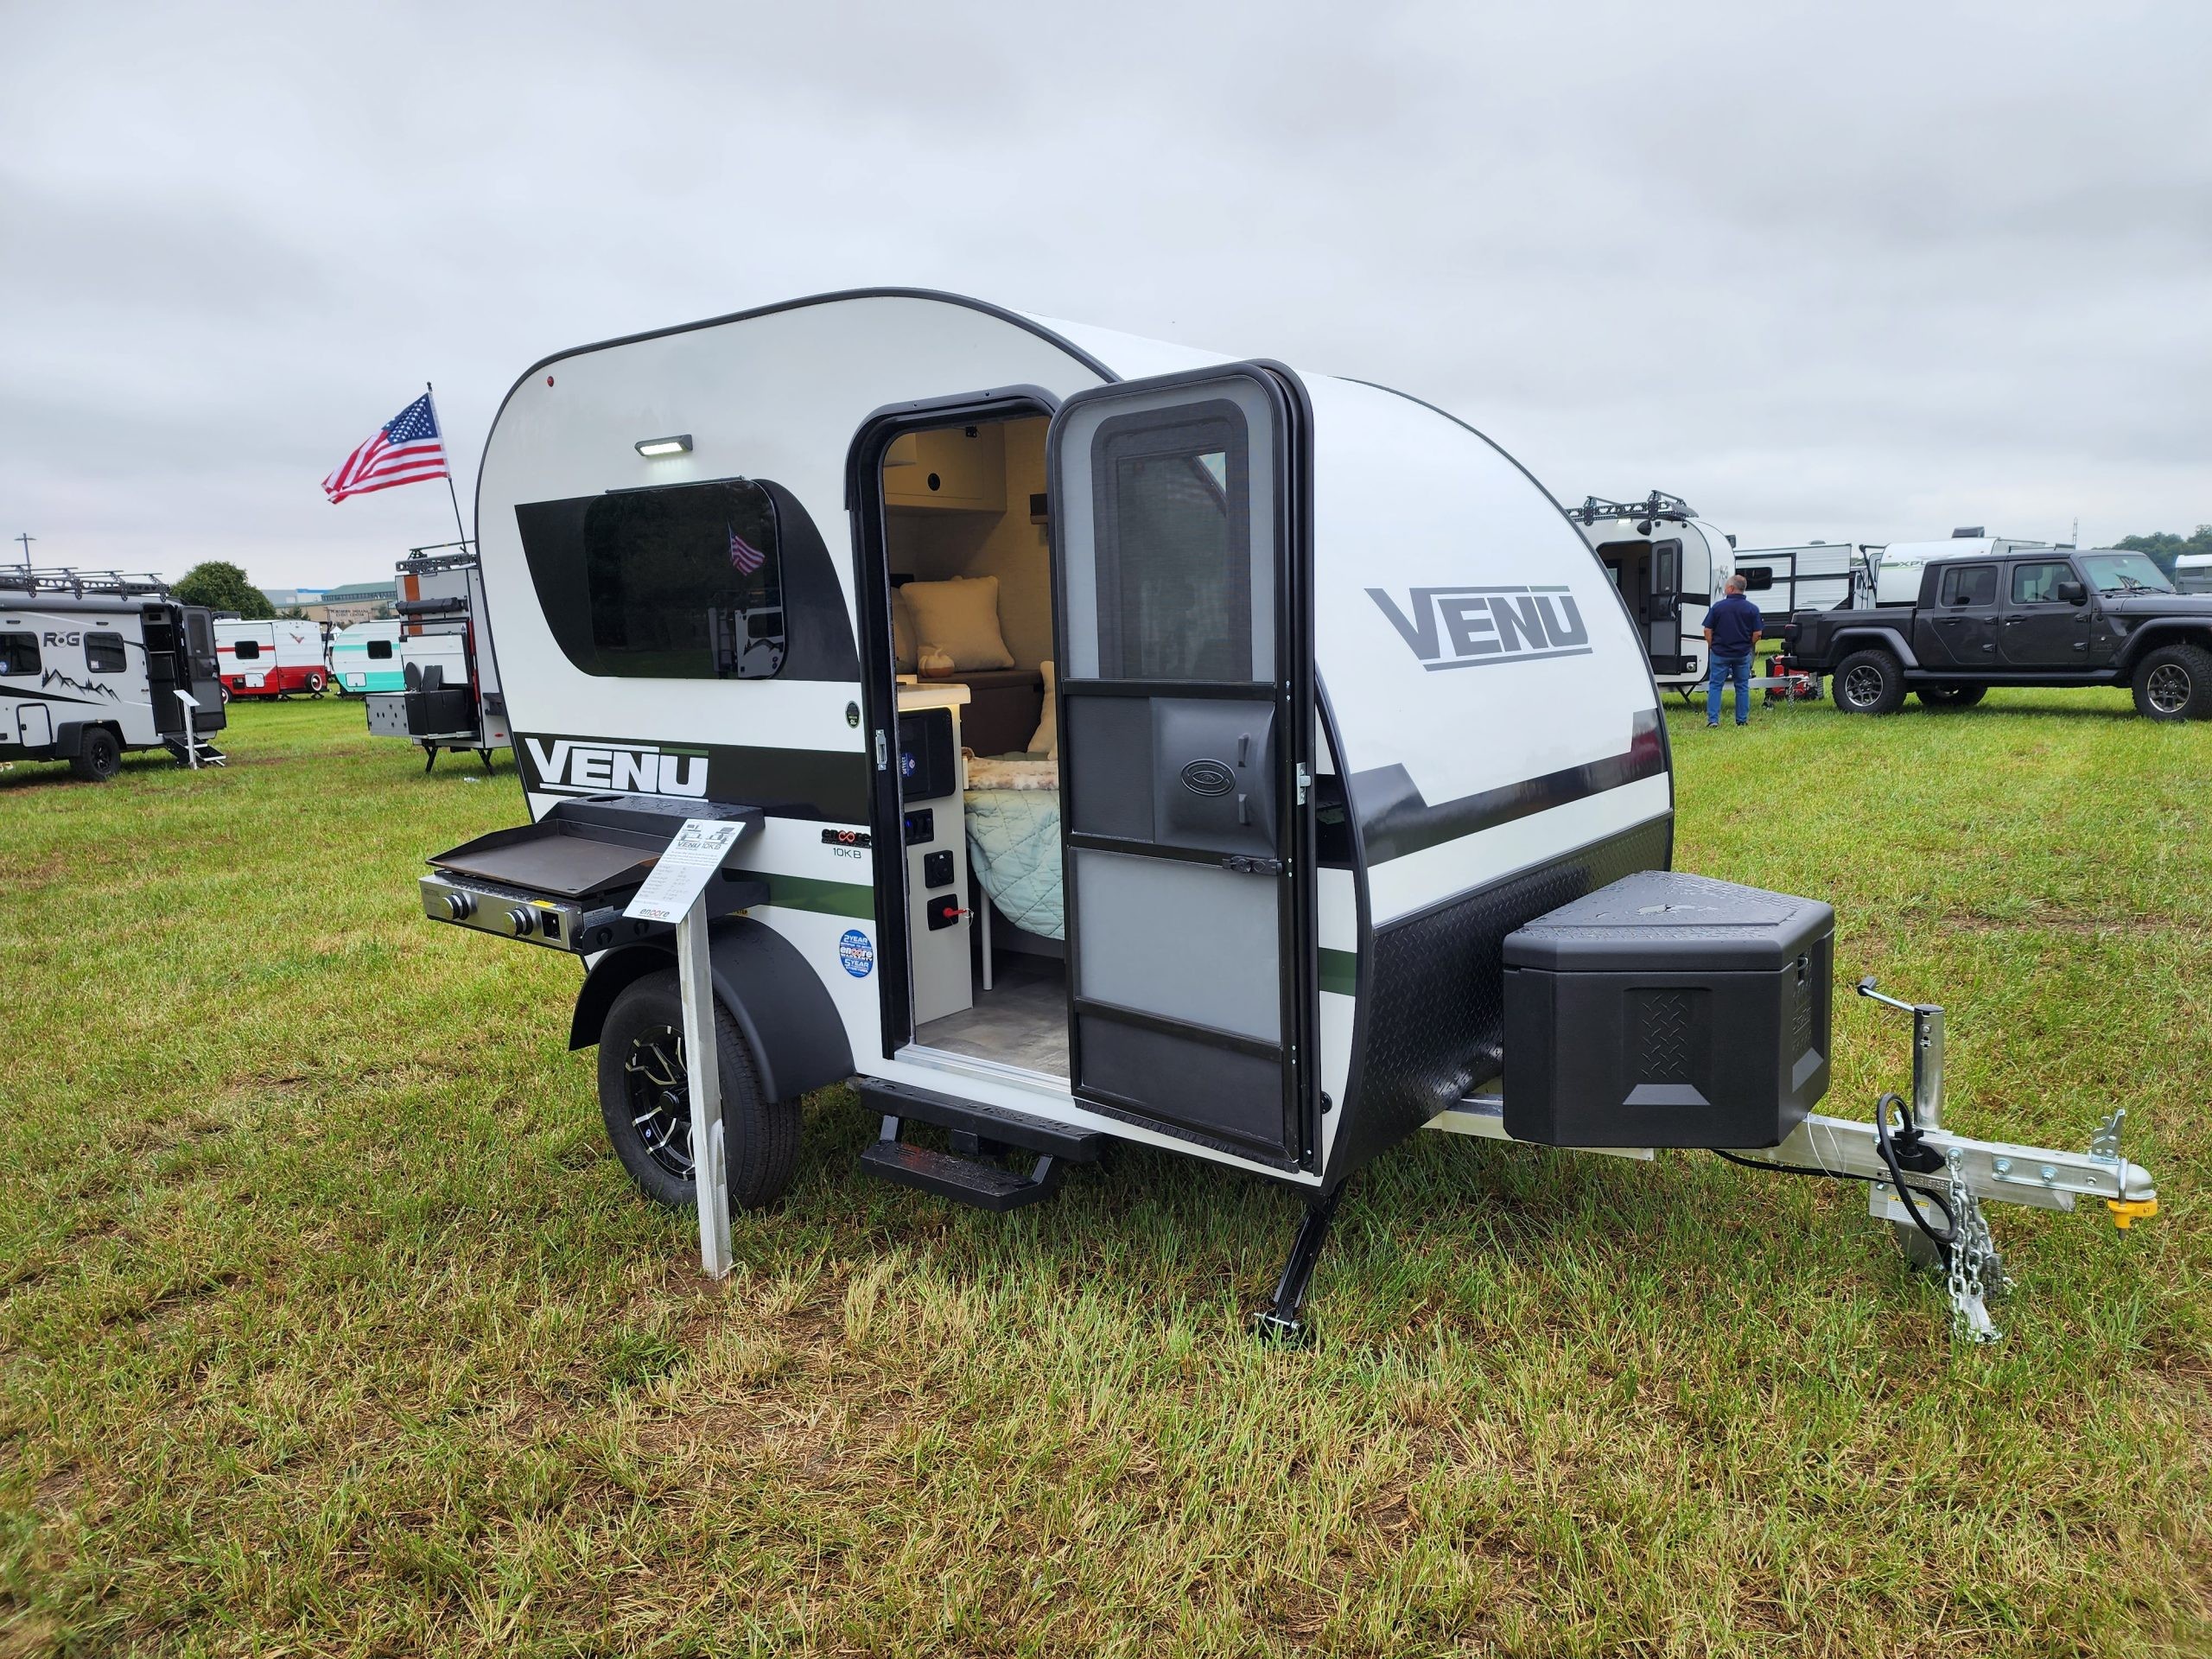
(590,767)
(1470,627)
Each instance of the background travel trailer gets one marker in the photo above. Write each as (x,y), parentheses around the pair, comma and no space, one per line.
(1326,703)
(447,696)
(1815,576)
(91,664)
(270,660)
(364,657)
(1669,566)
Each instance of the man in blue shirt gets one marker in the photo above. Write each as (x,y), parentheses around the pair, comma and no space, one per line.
(1731,629)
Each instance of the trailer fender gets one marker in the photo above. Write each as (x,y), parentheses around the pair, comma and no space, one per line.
(798,1039)
(1889,639)
(68,737)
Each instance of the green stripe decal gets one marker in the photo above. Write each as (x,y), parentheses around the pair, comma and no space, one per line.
(1340,972)
(807,892)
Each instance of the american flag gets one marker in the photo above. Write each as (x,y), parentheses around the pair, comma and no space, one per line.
(405,449)
(742,554)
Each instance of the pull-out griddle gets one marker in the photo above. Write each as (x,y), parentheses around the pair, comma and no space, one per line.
(564,880)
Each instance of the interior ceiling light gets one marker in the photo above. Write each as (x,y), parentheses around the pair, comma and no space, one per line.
(653,449)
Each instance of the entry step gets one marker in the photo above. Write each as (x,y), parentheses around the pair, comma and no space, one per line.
(964,1180)
(999,1123)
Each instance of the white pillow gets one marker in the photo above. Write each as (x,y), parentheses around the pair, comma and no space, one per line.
(1047,738)
(960,616)
(902,633)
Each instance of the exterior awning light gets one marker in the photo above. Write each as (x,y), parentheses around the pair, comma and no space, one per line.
(653,448)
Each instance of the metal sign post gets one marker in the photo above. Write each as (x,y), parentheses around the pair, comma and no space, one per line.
(675,891)
(703,1064)
(191,730)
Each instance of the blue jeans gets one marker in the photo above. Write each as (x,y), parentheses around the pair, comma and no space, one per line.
(1722,671)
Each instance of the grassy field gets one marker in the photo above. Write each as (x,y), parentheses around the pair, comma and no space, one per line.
(328,1325)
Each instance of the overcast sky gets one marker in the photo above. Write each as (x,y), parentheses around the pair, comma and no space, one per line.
(1852,272)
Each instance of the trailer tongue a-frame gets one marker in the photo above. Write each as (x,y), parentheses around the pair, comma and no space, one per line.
(1175,750)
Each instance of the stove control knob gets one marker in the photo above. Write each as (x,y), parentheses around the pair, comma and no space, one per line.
(524,921)
(460,906)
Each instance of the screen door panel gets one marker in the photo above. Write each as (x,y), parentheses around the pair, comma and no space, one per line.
(1170,517)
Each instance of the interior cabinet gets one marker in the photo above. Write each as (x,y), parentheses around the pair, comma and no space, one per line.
(961,468)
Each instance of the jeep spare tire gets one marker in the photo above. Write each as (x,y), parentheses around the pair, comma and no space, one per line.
(2175,683)
(1869,682)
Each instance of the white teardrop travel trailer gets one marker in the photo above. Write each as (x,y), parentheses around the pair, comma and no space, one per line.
(1121,742)
(1668,567)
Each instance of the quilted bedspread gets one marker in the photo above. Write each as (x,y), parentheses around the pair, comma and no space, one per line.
(1013,843)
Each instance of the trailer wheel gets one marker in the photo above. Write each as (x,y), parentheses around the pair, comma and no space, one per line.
(1952,696)
(314,682)
(1870,682)
(100,758)
(645,1096)
(2175,683)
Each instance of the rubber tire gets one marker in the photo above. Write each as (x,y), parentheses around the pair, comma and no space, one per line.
(100,758)
(223,690)
(2193,661)
(1892,693)
(1951,696)
(314,682)
(759,1137)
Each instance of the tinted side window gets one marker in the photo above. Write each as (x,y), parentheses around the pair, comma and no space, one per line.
(682,583)
(2037,584)
(379,651)
(1968,584)
(1758,578)
(19,654)
(104,654)
(246,651)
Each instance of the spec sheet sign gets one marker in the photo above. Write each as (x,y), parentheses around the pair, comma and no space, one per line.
(694,855)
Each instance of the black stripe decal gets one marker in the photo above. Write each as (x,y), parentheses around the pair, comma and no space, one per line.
(1395,821)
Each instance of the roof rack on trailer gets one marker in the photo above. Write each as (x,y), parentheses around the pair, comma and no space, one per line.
(79,583)
(421,561)
(1658,505)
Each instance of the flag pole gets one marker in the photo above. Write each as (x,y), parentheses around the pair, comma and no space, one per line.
(459,528)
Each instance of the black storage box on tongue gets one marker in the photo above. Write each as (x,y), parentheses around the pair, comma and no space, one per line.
(1667,1010)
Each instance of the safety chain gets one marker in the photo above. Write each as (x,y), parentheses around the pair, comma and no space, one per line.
(1973,1250)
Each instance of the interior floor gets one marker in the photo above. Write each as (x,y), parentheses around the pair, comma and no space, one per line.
(1021,1021)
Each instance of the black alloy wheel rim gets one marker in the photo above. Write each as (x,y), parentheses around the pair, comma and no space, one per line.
(659,1098)
(2168,688)
(1863,686)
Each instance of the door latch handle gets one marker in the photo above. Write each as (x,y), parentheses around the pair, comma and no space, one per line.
(1243,865)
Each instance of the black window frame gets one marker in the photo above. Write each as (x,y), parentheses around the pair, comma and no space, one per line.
(379,651)
(9,658)
(1947,591)
(245,651)
(2012,582)
(106,639)
(566,546)
(1758,578)
(1169,435)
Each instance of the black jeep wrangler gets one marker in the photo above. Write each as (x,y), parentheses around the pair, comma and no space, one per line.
(2045,616)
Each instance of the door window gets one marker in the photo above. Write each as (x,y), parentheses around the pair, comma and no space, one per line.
(104,654)
(1968,584)
(2037,583)
(19,654)
(1175,571)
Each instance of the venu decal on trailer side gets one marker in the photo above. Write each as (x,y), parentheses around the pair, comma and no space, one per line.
(566,766)
(1471,627)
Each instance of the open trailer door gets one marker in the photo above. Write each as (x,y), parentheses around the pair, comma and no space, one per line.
(1185,686)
